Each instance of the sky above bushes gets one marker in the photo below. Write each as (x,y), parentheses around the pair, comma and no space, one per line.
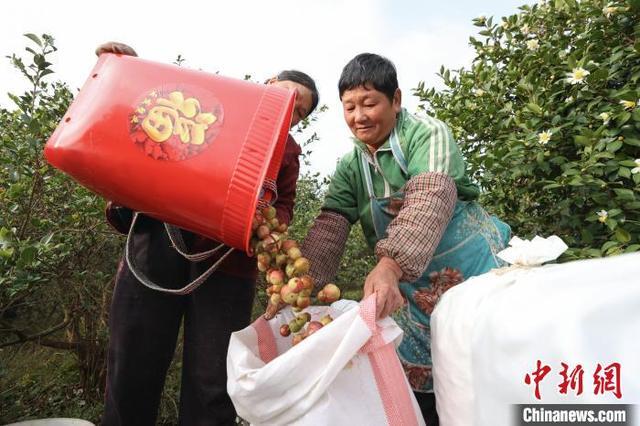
(259,38)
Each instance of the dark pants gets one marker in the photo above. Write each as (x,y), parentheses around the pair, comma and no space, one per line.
(144,326)
(427,403)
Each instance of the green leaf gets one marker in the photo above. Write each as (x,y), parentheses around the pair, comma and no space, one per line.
(624,172)
(586,236)
(628,163)
(624,194)
(622,235)
(614,146)
(632,141)
(582,140)
(623,118)
(535,108)
(6,253)
(560,4)
(606,246)
(34,38)
(28,255)
(614,212)
(598,75)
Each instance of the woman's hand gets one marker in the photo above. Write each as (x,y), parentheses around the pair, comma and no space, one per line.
(383,280)
(114,47)
(272,310)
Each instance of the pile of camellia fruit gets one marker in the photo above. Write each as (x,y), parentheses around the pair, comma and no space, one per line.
(286,274)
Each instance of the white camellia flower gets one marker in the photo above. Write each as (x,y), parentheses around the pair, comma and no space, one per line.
(577,76)
(605,117)
(544,137)
(533,44)
(525,29)
(637,168)
(504,25)
(602,216)
(478,92)
(628,104)
(569,100)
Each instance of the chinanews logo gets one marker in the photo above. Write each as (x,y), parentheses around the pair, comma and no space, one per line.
(174,124)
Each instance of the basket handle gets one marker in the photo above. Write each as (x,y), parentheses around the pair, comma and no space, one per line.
(178,243)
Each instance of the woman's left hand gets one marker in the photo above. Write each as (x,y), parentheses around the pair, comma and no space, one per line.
(383,280)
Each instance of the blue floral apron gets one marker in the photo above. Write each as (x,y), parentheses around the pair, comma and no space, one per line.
(468,247)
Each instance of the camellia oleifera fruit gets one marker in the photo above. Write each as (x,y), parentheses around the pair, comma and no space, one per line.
(286,273)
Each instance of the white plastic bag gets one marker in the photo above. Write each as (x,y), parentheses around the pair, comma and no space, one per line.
(489,332)
(346,373)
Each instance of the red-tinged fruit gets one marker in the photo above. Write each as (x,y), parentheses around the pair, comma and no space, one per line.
(307,282)
(321,297)
(290,270)
(313,327)
(297,339)
(275,299)
(301,265)
(305,292)
(303,302)
(326,319)
(305,316)
(262,232)
(272,243)
(295,284)
(264,258)
(331,293)
(288,244)
(288,296)
(285,330)
(276,277)
(294,253)
(269,212)
(281,259)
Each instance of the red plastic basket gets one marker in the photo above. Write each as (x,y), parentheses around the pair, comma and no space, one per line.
(186,147)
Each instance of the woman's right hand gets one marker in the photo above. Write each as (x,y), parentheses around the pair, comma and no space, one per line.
(115,47)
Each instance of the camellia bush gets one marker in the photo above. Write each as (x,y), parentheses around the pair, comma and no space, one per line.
(549,121)
(57,255)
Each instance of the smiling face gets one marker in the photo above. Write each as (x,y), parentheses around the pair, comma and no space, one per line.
(370,114)
(304,101)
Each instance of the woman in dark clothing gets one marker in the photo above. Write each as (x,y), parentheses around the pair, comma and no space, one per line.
(144,323)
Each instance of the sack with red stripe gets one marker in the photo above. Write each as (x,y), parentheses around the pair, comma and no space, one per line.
(345,373)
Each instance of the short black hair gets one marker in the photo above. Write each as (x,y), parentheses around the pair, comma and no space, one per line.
(369,69)
(304,79)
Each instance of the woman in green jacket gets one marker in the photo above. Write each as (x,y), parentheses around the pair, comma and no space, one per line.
(405,182)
